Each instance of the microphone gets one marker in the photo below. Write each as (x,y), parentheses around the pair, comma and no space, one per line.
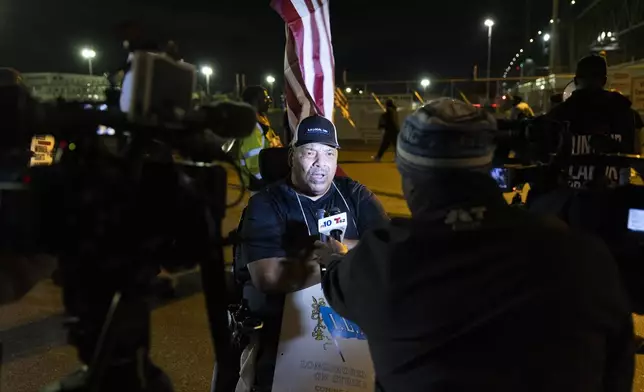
(338,234)
(321,214)
(334,225)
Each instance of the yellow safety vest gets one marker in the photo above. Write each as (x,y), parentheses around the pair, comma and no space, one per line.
(249,149)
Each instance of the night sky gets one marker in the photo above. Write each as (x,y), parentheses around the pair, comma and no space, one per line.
(380,40)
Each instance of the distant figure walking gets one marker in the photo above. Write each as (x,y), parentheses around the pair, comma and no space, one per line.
(389,123)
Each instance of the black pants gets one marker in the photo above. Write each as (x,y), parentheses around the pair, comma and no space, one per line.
(388,139)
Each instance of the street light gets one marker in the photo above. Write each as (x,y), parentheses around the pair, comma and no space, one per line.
(348,90)
(489,23)
(207,71)
(546,37)
(88,54)
(270,80)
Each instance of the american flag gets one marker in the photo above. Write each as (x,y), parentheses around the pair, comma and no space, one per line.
(309,66)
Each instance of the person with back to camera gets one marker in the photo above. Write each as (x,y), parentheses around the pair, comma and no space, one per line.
(279,231)
(472,294)
(593,112)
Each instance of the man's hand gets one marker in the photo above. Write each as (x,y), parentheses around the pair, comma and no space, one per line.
(325,252)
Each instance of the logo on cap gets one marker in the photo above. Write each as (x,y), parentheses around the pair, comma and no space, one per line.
(318,131)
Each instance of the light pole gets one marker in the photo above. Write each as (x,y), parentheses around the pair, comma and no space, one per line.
(270,80)
(489,23)
(424,84)
(207,71)
(88,54)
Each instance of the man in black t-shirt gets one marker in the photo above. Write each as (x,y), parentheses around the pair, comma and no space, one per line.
(280,228)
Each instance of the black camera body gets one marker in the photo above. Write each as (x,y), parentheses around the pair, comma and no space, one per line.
(116,196)
(539,152)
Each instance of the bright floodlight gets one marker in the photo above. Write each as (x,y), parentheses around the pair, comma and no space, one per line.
(572,2)
(539,32)
(552,21)
(348,90)
(531,40)
(425,83)
(206,71)
(520,50)
(546,37)
(488,23)
(88,53)
(270,79)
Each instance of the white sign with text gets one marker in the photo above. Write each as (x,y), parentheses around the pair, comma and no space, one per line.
(637,94)
(319,350)
(620,81)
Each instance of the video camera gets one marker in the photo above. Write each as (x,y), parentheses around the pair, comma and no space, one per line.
(539,152)
(118,195)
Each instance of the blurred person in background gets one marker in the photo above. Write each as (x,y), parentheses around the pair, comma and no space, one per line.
(444,299)
(263,136)
(389,124)
(520,109)
(605,116)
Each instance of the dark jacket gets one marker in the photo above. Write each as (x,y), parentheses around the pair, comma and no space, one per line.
(511,305)
(389,121)
(600,122)
(599,112)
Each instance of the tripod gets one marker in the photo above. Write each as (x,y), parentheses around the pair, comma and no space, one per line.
(121,221)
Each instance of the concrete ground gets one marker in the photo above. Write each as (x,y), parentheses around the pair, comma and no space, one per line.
(35,352)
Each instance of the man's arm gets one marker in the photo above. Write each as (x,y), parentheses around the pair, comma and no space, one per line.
(284,275)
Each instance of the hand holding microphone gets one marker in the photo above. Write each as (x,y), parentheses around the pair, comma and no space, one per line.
(331,228)
(333,225)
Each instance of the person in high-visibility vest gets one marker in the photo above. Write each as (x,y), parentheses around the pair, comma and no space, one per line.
(263,136)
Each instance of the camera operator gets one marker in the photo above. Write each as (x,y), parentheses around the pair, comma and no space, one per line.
(263,136)
(280,227)
(593,112)
(472,294)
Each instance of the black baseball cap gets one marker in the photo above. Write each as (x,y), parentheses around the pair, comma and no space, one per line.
(592,66)
(316,129)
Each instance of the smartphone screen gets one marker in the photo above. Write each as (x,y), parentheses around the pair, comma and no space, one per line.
(500,175)
(635,220)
